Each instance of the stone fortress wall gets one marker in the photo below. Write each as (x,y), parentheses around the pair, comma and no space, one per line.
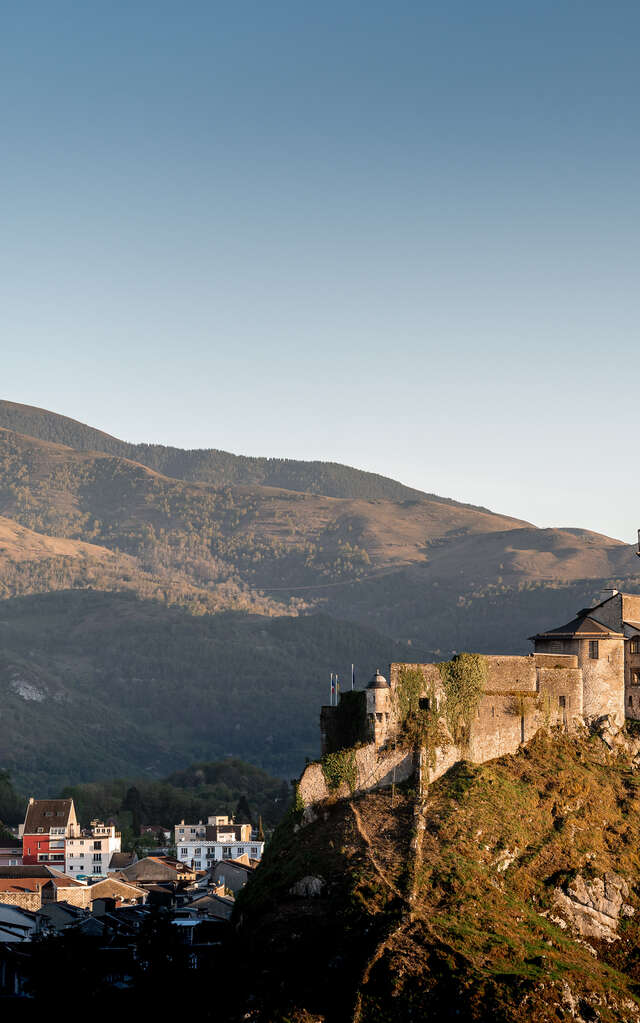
(522,694)
(586,670)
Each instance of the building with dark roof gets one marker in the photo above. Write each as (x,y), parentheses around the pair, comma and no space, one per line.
(605,639)
(47,824)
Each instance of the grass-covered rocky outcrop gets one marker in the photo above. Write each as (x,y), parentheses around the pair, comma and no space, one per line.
(464,919)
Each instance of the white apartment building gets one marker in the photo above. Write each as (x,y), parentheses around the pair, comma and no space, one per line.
(89,854)
(200,845)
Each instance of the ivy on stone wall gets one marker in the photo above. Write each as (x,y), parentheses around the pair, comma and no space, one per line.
(463,679)
(418,715)
(340,767)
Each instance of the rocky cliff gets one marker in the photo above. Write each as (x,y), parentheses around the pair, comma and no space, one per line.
(511,893)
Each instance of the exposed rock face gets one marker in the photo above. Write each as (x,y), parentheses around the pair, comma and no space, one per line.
(308,887)
(617,738)
(594,907)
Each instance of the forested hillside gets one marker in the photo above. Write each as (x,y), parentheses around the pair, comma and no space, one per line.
(209,465)
(96,685)
(149,621)
(231,786)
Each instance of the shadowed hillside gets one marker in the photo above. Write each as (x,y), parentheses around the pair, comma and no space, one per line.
(98,685)
(483,919)
(397,573)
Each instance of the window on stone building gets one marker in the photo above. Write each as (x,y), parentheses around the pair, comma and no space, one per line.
(630,700)
(594,649)
(635,645)
(493,712)
(636,678)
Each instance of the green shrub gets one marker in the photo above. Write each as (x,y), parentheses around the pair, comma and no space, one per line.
(464,680)
(340,767)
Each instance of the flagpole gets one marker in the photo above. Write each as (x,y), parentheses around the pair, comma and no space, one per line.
(331,691)
(353,678)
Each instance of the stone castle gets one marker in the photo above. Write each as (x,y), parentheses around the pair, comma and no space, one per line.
(580,672)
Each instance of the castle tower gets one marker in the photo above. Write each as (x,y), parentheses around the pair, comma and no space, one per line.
(378,708)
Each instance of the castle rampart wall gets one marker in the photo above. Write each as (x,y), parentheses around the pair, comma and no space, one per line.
(375,768)
(556,660)
(522,695)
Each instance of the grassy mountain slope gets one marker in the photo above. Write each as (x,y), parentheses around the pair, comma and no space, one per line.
(97,685)
(209,465)
(431,574)
(467,927)
(261,536)
(292,549)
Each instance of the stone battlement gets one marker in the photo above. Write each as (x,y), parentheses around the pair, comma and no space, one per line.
(582,671)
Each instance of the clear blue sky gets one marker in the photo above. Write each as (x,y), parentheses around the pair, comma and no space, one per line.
(402,236)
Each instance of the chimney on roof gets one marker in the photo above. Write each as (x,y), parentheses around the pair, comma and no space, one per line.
(31,800)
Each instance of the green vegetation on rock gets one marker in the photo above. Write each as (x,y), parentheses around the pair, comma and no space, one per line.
(463,680)
(468,927)
(340,768)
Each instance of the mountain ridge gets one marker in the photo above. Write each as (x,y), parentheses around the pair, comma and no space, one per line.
(309,581)
(209,464)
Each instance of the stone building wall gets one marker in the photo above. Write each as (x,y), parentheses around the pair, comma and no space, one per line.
(25,900)
(80,896)
(603,679)
(522,694)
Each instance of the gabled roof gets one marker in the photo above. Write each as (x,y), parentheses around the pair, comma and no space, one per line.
(154,868)
(62,881)
(243,868)
(25,884)
(214,905)
(61,908)
(112,888)
(122,859)
(583,627)
(33,870)
(47,813)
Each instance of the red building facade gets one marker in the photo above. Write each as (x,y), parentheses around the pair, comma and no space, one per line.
(47,824)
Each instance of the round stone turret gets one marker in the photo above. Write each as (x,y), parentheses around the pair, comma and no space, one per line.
(378,696)
(378,681)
